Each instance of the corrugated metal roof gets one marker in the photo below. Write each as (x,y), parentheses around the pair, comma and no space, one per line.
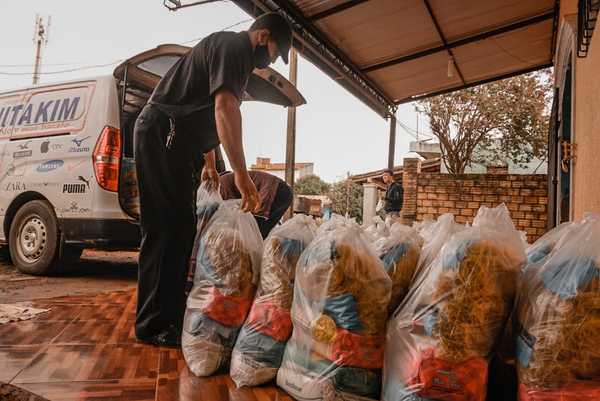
(388,52)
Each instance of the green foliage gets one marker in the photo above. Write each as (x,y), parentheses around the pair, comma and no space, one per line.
(311,185)
(492,123)
(347,198)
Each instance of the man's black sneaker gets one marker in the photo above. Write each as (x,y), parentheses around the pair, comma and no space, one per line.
(170,337)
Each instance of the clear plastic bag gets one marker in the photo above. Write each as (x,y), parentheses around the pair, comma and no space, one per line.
(229,250)
(558,312)
(399,252)
(377,229)
(341,296)
(259,348)
(439,340)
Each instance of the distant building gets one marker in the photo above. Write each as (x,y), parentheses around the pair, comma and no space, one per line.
(431,150)
(278,169)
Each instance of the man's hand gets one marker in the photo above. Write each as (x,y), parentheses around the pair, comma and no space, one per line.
(250,199)
(210,176)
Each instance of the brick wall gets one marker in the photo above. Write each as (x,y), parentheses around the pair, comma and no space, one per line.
(434,194)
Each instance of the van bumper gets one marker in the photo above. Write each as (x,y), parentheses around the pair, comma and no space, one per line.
(101,233)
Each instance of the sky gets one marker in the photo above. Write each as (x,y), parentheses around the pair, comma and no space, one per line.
(334,130)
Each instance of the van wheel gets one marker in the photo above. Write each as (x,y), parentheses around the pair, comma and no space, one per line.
(34,240)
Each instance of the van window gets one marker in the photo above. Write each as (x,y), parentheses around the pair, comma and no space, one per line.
(159,65)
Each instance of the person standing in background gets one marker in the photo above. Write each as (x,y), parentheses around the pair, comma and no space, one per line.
(394,195)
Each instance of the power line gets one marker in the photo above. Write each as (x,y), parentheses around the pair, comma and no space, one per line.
(87,67)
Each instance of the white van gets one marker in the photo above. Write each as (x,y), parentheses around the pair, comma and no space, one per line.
(67,173)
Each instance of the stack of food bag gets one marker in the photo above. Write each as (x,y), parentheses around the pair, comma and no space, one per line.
(377,229)
(229,251)
(439,340)
(259,348)
(399,252)
(558,330)
(341,296)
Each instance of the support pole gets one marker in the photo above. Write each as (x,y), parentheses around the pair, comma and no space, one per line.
(392,146)
(290,147)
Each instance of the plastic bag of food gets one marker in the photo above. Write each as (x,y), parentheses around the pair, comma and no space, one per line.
(399,252)
(558,330)
(377,229)
(228,258)
(439,340)
(259,348)
(341,296)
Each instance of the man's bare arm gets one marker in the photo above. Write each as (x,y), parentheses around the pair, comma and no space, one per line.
(229,128)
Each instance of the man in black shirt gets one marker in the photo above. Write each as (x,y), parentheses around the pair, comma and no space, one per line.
(393,196)
(193,108)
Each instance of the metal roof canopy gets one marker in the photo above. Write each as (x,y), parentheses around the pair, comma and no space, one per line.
(389,52)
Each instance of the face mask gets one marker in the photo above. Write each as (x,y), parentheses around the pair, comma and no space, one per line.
(261,56)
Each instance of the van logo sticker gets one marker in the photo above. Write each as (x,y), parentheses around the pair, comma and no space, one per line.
(79,148)
(49,166)
(22,153)
(23,146)
(74,208)
(87,182)
(73,188)
(46,146)
(15,186)
(13,171)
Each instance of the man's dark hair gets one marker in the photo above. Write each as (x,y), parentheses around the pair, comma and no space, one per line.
(389,171)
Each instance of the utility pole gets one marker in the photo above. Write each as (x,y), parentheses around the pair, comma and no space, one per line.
(40,38)
(290,148)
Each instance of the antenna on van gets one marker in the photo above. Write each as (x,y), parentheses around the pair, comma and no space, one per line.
(40,38)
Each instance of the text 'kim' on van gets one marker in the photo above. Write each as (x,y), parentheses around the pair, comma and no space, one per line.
(67,173)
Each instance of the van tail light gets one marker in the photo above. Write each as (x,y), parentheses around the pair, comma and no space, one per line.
(107,157)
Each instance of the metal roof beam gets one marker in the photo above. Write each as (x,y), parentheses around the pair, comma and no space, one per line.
(290,9)
(461,42)
(336,9)
(313,45)
(476,83)
(443,39)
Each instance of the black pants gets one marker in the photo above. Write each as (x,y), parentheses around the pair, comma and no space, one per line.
(281,202)
(167,221)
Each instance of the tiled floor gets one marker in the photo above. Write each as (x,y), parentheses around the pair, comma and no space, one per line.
(85,349)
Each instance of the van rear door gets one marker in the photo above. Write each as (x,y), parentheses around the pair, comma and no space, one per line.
(138,76)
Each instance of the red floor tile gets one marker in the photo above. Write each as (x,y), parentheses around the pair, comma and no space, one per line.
(13,359)
(98,332)
(62,363)
(30,332)
(177,383)
(113,390)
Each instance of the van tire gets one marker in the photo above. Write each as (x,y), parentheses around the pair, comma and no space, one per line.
(34,239)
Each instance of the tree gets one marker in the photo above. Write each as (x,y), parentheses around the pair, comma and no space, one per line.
(311,185)
(491,123)
(347,198)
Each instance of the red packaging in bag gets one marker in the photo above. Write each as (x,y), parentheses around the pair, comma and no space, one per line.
(447,381)
(229,310)
(271,320)
(350,349)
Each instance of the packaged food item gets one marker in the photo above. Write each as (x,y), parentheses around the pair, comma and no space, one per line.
(558,312)
(229,250)
(441,337)
(377,229)
(259,348)
(399,252)
(341,296)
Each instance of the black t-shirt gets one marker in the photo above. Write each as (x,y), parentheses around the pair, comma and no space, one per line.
(186,92)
